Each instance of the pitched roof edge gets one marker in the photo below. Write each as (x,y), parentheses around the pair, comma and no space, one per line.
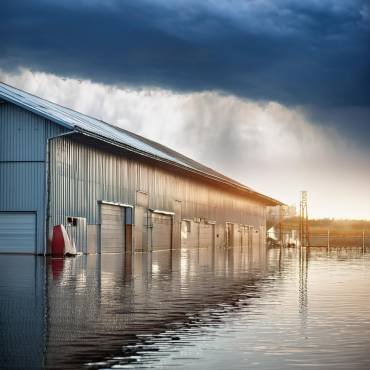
(212,174)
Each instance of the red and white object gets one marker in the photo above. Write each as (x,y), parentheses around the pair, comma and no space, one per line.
(61,244)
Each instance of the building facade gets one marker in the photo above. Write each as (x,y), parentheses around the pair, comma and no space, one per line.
(113,190)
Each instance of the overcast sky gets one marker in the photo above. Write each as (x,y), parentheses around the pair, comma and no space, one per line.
(273,93)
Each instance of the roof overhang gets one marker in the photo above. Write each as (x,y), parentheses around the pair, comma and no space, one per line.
(266,200)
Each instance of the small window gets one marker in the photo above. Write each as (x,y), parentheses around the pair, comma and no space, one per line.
(72,221)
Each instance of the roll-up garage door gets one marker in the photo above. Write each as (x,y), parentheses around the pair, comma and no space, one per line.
(112,233)
(244,236)
(161,231)
(256,240)
(17,232)
(206,235)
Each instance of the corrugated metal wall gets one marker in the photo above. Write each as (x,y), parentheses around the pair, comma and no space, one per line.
(81,175)
(23,138)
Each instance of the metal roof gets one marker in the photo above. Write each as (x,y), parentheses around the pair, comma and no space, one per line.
(113,134)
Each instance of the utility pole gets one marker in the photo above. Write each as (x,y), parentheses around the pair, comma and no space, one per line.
(304,234)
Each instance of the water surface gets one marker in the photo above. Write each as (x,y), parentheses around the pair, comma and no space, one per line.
(196,309)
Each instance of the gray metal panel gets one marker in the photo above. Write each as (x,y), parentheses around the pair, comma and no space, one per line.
(161,232)
(23,138)
(206,235)
(22,189)
(82,175)
(17,232)
(92,238)
(23,134)
(142,237)
(112,231)
(22,186)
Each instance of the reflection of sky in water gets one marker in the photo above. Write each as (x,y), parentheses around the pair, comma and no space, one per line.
(195,309)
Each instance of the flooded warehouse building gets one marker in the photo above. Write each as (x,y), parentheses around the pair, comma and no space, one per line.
(114,191)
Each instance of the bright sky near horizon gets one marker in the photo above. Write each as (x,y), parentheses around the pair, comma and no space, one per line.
(272,93)
(267,146)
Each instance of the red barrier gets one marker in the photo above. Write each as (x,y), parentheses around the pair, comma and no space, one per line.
(57,244)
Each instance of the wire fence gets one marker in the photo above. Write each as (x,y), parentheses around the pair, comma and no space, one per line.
(322,239)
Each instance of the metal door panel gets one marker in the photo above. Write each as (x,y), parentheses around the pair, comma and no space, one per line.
(17,232)
(206,235)
(112,234)
(161,232)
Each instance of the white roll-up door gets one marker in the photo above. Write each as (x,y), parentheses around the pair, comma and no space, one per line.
(17,232)
(112,232)
(161,231)
(206,235)
(244,236)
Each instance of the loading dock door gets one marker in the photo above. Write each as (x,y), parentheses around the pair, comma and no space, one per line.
(112,232)
(161,231)
(244,236)
(206,235)
(17,232)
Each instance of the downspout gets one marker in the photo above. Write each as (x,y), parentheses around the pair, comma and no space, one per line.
(47,188)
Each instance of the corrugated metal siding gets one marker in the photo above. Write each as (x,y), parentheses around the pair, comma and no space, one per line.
(23,138)
(112,229)
(161,232)
(17,232)
(22,186)
(81,175)
(92,126)
(22,189)
(71,119)
(24,134)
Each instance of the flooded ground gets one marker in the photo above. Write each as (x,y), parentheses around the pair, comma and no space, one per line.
(197,309)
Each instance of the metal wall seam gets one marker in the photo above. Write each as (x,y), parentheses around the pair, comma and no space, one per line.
(85,175)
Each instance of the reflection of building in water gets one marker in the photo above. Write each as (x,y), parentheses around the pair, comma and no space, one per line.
(114,190)
(73,311)
(22,306)
(304,255)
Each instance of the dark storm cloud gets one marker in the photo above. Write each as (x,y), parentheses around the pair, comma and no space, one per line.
(295,52)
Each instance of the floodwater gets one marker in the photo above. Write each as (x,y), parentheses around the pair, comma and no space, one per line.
(196,309)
